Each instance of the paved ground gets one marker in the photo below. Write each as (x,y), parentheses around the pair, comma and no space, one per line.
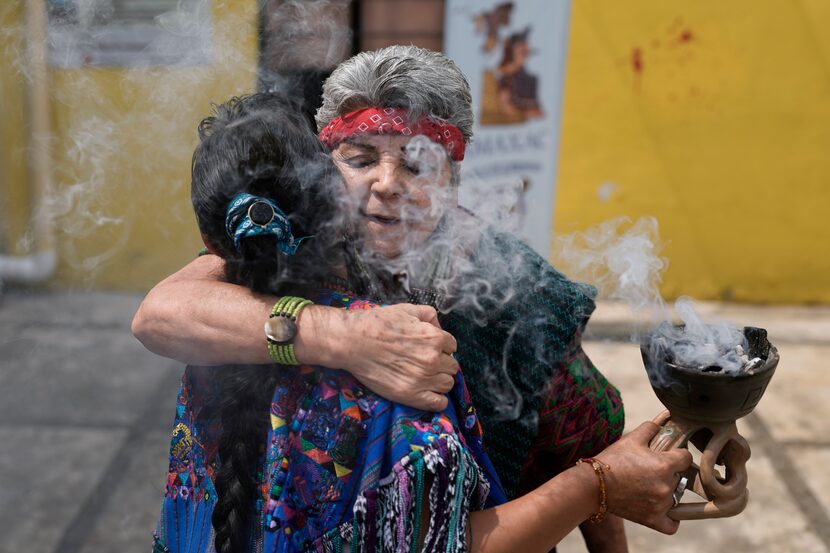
(84,416)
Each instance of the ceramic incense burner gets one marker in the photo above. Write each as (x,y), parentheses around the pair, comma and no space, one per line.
(703,405)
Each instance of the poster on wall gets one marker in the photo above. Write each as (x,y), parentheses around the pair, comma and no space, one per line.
(513,54)
(129,33)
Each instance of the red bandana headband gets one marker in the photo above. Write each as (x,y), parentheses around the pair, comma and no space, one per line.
(393,121)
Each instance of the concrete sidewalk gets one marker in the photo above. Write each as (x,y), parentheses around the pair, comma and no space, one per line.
(85,414)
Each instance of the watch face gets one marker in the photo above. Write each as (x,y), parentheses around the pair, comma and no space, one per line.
(280,330)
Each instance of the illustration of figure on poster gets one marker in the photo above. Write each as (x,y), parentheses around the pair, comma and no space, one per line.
(510,92)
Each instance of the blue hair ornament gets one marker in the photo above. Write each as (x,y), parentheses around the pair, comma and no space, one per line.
(249,215)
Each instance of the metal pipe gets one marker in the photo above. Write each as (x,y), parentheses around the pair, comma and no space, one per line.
(40,265)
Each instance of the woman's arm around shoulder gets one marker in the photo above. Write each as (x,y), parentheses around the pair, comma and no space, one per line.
(193,316)
(399,352)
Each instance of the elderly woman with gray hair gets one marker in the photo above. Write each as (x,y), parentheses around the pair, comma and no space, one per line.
(397,122)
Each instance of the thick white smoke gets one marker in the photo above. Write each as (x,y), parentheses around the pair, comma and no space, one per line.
(711,347)
(622,260)
(623,263)
(476,271)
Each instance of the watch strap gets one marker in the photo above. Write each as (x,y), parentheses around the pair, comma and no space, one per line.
(290,308)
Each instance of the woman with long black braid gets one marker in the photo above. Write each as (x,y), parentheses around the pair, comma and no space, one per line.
(269,151)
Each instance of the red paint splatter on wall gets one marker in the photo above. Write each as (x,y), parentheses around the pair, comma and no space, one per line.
(686,36)
(637,61)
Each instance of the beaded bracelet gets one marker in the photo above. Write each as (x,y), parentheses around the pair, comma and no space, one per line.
(599,469)
(288,307)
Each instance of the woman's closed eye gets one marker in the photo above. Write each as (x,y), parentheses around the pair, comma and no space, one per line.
(360,161)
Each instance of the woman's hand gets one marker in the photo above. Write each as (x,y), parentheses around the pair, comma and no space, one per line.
(641,482)
(399,351)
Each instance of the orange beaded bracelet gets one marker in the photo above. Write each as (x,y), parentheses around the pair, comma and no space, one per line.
(599,469)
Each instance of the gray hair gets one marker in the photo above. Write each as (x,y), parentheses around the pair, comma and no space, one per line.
(422,81)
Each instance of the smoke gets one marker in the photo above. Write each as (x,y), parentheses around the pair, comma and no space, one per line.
(709,347)
(426,245)
(399,208)
(189,19)
(624,264)
(502,204)
(302,35)
(116,136)
(443,260)
(128,83)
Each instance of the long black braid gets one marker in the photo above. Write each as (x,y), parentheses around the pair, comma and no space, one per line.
(262,145)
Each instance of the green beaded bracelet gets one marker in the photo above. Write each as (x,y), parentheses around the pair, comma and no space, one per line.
(287,307)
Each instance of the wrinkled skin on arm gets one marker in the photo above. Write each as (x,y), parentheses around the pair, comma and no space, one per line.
(398,352)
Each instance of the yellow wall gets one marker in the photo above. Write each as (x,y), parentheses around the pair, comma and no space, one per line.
(13,168)
(723,134)
(123,139)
